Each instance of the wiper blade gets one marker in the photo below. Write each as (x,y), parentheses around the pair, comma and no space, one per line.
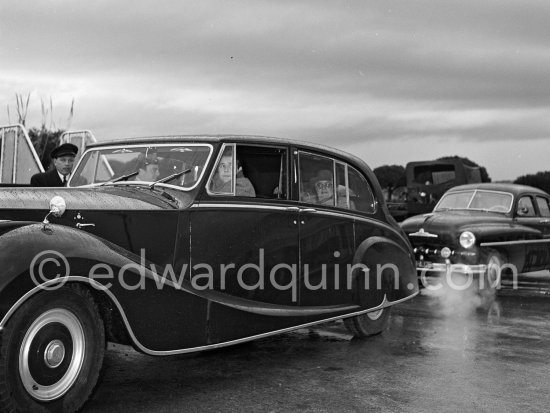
(120,178)
(169,178)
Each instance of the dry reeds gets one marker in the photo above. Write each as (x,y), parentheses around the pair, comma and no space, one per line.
(21,108)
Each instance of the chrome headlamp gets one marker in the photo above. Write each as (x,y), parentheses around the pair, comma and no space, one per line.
(467,239)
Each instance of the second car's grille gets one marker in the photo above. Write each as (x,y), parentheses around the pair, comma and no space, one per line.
(429,242)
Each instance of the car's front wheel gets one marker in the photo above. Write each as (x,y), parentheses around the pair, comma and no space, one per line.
(368,324)
(493,272)
(51,352)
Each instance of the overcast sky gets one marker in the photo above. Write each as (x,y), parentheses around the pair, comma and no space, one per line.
(390,81)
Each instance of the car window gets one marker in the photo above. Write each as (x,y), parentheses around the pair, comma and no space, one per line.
(342,195)
(325,181)
(266,168)
(495,201)
(543,206)
(491,201)
(250,171)
(185,161)
(316,183)
(525,207)
(455,200)
(361,195)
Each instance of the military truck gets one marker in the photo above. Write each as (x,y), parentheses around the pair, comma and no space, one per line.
(427,181)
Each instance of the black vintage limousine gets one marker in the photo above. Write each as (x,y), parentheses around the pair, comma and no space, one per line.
(188,243)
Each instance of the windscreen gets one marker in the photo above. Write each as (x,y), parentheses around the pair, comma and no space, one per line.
(476,199)
(143,164)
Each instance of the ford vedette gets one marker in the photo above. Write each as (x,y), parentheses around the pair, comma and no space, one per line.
(486,231)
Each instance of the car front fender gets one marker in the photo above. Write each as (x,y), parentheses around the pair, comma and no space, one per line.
(500,232)
(32,254)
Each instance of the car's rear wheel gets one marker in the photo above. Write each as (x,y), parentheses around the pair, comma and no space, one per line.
(368,324)
(51,352)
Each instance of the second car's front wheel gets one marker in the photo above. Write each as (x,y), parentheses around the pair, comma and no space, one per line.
(51,352)
(493,272)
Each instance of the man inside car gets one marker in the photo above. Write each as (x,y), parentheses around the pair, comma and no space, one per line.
(148,169)
(63,160)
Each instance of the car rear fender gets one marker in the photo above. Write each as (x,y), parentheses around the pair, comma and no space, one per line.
(383,270)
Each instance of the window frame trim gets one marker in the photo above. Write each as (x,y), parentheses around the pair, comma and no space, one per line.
(143,145)
(297,171)
(537,197)
(284,148)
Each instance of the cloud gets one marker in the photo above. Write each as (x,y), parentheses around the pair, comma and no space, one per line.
(344,72)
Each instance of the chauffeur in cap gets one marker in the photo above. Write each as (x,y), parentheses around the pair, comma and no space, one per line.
(148,168)
(63,159)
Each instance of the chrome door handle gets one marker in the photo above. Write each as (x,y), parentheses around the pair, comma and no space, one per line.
(544,221)
(293,209)
(308,210)
(79,225)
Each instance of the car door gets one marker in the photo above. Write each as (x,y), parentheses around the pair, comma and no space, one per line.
(528,213)
(326,230)
(245,245)
(542,223)
(543,206)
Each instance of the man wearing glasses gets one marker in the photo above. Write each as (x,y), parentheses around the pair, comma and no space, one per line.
(324,187)
(323,191)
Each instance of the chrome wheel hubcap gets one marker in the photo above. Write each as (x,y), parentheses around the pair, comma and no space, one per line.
(52,354)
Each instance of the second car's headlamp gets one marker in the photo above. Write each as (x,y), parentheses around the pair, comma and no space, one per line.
(467,239)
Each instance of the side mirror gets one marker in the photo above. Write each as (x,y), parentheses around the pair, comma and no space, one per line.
(57,208)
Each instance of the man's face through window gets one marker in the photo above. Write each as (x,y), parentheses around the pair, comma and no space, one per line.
(323,188)
(150,173)
(64,164)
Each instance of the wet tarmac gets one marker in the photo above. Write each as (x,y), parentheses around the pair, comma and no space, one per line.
(440,353)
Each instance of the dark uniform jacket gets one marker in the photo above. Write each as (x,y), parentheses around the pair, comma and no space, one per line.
(49,178)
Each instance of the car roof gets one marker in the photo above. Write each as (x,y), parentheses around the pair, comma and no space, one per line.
(185,139)
(515,189)
(243,139)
